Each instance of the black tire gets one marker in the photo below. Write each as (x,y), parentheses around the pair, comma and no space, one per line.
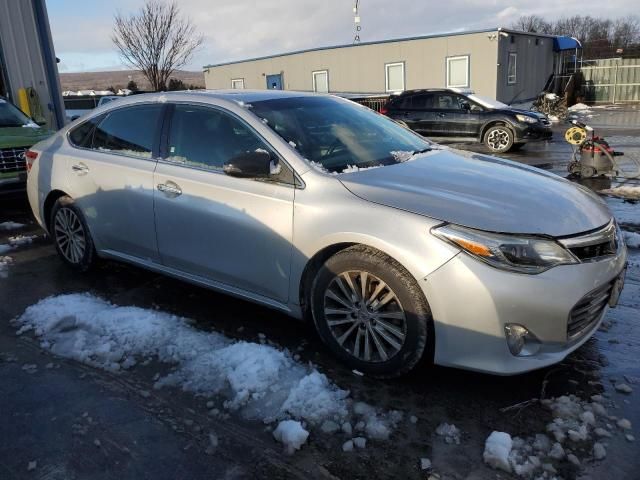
(499,139)
(417,326)
(517,146)
(83,258)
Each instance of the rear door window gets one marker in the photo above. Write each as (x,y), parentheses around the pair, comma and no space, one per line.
(448,101)
(129,131)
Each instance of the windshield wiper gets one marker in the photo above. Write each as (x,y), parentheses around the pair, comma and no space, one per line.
(418,152)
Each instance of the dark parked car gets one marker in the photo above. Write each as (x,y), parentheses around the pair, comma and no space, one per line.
(460,115)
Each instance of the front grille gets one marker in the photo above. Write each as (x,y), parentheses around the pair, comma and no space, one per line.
(588,310)
(590,252)
(593,246)
(12,160)
(545,122)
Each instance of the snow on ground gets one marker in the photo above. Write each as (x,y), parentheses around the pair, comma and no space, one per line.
(4,265)
(10,225)
(576,433)
(257,380)
(632,239)
(623,191)
(578,107)
(4,248)
(19,240)
(291,434)
(624,211)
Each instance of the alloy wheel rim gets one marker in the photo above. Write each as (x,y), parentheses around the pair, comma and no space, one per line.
(498,139)
(365,316)
(69,234)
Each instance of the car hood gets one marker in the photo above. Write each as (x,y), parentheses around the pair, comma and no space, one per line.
(482,192)
(22,136)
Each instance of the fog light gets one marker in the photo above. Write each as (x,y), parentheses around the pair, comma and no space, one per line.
(521,342)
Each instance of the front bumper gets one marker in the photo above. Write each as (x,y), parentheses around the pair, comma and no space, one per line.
(532,133)
(471,303)
(11,183)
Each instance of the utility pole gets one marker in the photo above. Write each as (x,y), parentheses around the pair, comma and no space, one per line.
(356,21)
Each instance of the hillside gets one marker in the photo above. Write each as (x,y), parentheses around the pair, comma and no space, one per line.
(119,79)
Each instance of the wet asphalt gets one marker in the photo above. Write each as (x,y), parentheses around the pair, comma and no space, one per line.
(77,422)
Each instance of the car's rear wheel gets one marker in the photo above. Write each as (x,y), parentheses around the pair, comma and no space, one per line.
(499,139)
(370,312)
(71,235)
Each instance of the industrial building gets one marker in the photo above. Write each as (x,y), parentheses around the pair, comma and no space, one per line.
(507,65)
(28,70)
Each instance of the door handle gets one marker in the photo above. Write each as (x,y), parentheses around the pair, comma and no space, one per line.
(80,169)
(442,115)
(170,189)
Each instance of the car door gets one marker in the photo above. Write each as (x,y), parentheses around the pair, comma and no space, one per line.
(234,231)
(422,114)
(452,118)
(110,170)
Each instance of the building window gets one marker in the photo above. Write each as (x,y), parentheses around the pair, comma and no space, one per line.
(458,71)
(320,81)
(394,77)
(237,83)
(512,68)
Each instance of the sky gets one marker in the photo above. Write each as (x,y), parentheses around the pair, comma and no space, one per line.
(239,29)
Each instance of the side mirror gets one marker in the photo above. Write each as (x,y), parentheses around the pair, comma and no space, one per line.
(466,106)
(249,165)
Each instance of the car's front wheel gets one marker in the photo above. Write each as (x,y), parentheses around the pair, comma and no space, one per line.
(499,139)
(370,312)
(71,235)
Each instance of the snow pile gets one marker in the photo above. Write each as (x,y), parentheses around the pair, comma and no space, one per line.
(578,107)
(10,225)
(623,191)
(632,239)
(291,434)
(258,380)
(497,449)
(4,266)
(451,433)
(355,168)
(4,248)
(579,427)
(19,240)
(401,155)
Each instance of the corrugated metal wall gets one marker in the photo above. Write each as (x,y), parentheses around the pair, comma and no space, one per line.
(24,58)
(612,80)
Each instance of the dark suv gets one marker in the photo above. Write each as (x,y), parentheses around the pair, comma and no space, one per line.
(460,115)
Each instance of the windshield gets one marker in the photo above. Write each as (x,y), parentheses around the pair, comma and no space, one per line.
(487,102)
(337,135)
(10,116)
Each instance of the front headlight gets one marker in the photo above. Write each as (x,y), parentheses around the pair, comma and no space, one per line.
(526,118)
(522,254)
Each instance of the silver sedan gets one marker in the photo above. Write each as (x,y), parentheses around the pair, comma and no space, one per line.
(395,248)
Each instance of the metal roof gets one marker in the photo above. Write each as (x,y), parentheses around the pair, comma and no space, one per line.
(377,42)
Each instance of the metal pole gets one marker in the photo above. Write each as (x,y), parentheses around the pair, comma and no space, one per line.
(615,83)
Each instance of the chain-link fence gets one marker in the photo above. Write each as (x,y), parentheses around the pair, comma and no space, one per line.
(612,80)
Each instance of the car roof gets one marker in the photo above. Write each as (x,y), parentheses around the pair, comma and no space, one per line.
(248,96)
(464,91)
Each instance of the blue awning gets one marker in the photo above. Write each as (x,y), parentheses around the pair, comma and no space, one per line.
(565,43)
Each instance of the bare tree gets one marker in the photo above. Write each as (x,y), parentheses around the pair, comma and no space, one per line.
(157,40)
(532,23)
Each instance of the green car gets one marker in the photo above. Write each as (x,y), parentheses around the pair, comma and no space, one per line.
(17,133)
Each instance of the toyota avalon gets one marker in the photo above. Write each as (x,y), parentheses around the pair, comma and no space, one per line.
(395,248)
